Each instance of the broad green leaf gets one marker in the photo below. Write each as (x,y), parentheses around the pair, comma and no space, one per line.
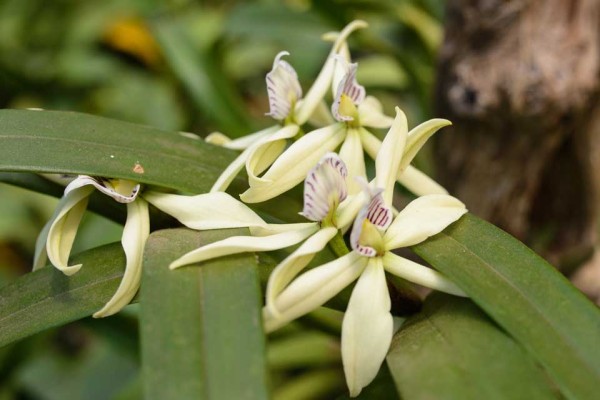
(201,328)
(46,298)
(68,142)
(452,350)
(526,296)
(201,75)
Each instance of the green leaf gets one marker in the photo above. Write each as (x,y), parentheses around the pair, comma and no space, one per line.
(209,87)
(451,350)
(526,296)
(68,142)
(200,326)
(46,298)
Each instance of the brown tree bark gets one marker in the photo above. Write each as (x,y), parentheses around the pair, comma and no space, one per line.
(520,81)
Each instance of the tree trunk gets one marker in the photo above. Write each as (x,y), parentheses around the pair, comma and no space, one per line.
(520,81)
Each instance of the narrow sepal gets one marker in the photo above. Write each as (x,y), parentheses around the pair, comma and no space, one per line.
(135,233)
(419,274)
(367,328)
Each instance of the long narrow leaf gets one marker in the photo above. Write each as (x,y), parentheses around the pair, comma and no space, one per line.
(68,142)
(200,325)
(46,298)
(451,350)
(527,297)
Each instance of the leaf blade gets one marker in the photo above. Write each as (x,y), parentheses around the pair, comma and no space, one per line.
(524,295)
(191,321)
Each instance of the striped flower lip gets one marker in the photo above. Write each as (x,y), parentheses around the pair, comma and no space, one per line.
(283,88)
(121,190)
(325,188)
(348,96)
(366,237)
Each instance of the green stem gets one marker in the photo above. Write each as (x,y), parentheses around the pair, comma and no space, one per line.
(338,246)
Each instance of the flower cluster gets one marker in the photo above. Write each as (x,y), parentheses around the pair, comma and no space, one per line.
(338,199)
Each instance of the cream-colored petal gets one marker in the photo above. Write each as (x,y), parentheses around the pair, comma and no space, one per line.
(421,218)
(352,154)
(40,257)
(266,151)
(371,114)
(292,166)
(229,174)
(390,155)
(243,142)
(320,86)
(411,178)
(419,274)
(313,288)
(417,138)
(367,328)
(243,244)
(271,229)
(342,60)
(287,270)
(216,210)
(321,116)
(419,183)
(61,234)
(349,209)
(135,233)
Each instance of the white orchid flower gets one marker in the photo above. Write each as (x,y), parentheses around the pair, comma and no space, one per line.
(368,325)
(326,201)
(288,107)
(56,239)
(354,112)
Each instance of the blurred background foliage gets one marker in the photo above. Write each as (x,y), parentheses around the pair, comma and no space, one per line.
(184,66)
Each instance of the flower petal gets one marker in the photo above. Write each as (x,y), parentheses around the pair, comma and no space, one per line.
(353,155)
(61,234)
(121,190)
(218,139)
(419,274)
(265,151)
(421,218)
(292,166)
(349,209)
(367,328)
(135,233)
(317,91)
(287,270)
(242,244)
(371,114)
(216,210)
(390,155)
(324,187)
(40,257)
(420,183)
(417,138)
(411,178)
(283,88)
(313,288)
(321,116)
(229,174)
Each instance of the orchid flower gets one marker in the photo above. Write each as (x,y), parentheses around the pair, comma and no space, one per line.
(56,239)
(288,107)
(354,112)
(368,325)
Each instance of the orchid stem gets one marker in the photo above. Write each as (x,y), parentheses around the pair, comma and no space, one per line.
(338,246)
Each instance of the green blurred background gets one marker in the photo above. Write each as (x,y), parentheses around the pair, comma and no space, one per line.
(182,66)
